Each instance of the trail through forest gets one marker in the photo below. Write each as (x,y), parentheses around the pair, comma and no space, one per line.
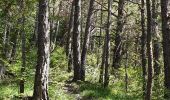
(109,49)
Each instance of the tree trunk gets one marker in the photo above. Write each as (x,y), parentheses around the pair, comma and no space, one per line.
(119,29)
(107,46)
(166,47)
(143,45)
(54,25)
(23,47)
(156,38)
(6,42)
(34,36)
(126,64)
(14,46)
(76,40)
(103,54)
(69,38)
(149,51)
(86,39)
(41,76)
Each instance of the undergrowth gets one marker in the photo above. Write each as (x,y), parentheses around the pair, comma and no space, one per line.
(88,90)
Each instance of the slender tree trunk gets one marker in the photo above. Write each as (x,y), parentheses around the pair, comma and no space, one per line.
(126,64)
(69,38)
(41,76)
(103,54)
(156,39)
(86,39)
(166,46)
(107,46)
(54,25)
(143,46)
(34,37)
(118,44)
(156,44)
(76,40)
(56,32)
(136,63)
(14,46)
(23,47)
(149,51)
(6,42)
(6,34)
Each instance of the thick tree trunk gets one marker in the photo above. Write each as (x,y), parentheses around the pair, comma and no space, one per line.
(143,46)
(86,39)
(107,46)
(41,76)
(118,40)
(148,95)
(76,40)
(166,46)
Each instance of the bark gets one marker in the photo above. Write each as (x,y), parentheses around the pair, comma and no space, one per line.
(148,95)
(69,39)
(54,26)
(101,78)
(6,34)
(23,47)
(34,37)
(6,42)
(56,32)
(166,46)
(126,65)
(118,45)
(86,39)
(156,38)
(41,75)
(14,46)
(99,37)
(107,46)
(103,54)
(143,46)
(76,40)
(136,63)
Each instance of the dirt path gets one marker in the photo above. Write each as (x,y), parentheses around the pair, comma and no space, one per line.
(70,88)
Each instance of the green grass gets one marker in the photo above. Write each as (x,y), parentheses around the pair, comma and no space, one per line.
(89,90)
(95,91)
(9,90)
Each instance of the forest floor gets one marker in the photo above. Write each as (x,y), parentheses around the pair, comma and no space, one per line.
(60,88)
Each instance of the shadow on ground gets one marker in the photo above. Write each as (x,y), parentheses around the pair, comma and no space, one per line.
(94,91)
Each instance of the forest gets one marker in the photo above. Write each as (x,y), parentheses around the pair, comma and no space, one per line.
(84,50)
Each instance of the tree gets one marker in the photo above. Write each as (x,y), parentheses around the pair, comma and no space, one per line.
(107,46)
(143,45)
(69,38)
(23,47)
(14,39)
(149,51)
(118,41)
(86,39)
(166,47)
(41,75)
(76,40)
(156,38)
(103,54)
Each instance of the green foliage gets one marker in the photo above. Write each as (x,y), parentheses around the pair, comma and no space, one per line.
(90,89)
